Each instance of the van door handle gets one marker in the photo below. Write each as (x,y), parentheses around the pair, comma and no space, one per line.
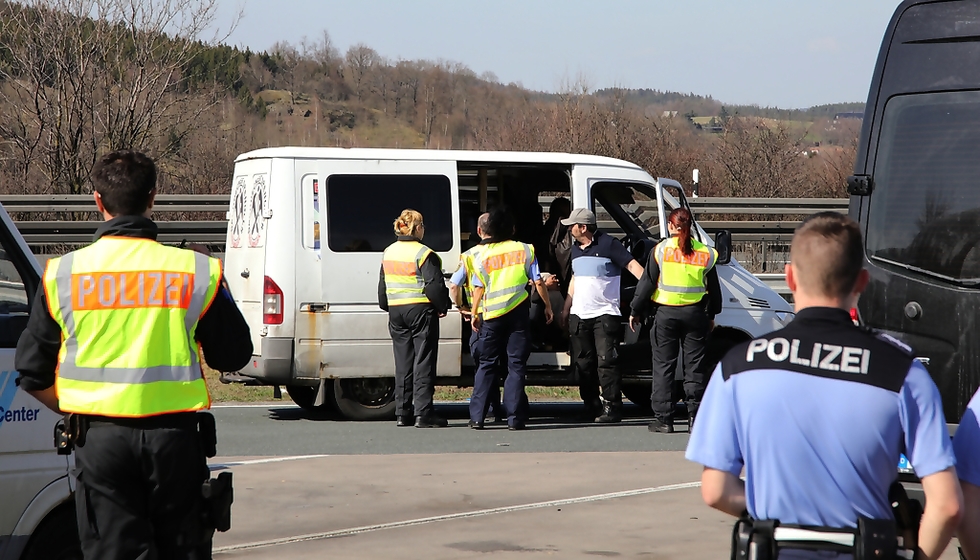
(312,307)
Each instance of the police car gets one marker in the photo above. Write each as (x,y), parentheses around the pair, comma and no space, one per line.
(37,510)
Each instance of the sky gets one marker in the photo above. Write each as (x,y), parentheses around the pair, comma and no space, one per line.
(771,53)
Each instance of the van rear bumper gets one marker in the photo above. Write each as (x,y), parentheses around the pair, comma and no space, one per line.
(275,363)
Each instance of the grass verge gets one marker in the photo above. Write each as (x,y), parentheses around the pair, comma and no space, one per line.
(239,393)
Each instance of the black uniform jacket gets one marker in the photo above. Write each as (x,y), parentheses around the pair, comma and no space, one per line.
(435,284)
(648,284)
(222,330)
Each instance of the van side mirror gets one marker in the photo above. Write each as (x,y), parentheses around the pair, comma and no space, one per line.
(723,244)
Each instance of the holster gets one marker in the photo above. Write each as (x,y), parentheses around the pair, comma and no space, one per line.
(69,433)
(908,515)
(218,496)
(754,540)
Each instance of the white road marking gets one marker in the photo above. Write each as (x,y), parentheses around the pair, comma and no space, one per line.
(451,517)
(217,466)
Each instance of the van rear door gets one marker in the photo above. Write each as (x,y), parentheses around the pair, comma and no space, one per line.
(360,201)
(245,254)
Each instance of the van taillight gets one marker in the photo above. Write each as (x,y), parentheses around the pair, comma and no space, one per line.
(854,316)
(271,303)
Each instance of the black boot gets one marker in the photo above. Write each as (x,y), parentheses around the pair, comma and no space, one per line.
(405,420)
(661,426)
(611,413)
(430,420)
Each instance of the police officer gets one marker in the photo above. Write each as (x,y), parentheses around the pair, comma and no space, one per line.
(500,290)
(594,315)
(460,286)
(412,290)
(681,281)
(112,339)
(966,446)
(819,412)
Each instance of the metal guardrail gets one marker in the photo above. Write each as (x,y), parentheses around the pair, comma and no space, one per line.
(47,232)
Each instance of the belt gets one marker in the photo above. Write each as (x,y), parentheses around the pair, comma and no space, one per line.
(873,538)
(177,420)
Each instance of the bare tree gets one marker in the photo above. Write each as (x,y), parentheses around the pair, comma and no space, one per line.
(359,62)
(86,76)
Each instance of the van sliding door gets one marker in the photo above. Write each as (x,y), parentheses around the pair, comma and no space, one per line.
(360,201)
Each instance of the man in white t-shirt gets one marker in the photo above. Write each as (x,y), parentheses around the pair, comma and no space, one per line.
(595,323)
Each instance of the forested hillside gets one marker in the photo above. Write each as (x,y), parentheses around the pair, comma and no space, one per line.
(74,85)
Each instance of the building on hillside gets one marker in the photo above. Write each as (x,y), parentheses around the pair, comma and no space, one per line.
(849,115)
(709,124)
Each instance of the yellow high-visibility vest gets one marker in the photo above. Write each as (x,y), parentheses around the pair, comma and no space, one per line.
(682,277)
(504,269)
(468,260)
(128,309)
(402,263)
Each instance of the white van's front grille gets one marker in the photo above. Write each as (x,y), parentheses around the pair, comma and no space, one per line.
(758,303)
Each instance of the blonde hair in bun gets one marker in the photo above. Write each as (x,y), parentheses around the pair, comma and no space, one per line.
(408,223)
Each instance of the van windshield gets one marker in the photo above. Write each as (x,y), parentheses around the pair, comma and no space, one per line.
(925,207)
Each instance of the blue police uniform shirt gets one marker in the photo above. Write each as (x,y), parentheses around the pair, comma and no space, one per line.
(966,443)
(818,414)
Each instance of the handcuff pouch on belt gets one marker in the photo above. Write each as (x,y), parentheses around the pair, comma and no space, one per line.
(874,539)
(217,492)
(69,433)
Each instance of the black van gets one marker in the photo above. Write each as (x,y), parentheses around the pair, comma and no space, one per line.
(916,191)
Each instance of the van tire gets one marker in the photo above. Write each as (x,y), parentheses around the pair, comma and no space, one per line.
(305,397)
(56,538)
(371,398)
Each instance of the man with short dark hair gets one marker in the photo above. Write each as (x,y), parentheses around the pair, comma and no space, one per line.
(113,340)
(503,271)
(819,412)
(595,323)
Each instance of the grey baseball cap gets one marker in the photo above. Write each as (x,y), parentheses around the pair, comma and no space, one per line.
(580,216)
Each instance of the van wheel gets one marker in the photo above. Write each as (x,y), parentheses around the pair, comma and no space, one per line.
(56,538)
(371,398)
(305,397)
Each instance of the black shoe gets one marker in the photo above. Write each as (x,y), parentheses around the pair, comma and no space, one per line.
(611,414)
(431,421)
(405,420)
(658,425)
(517,426)
(475,425)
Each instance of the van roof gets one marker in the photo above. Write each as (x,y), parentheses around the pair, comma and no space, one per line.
(433,155)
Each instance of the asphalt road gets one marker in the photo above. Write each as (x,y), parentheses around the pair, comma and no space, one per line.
(308,487)
(287,430)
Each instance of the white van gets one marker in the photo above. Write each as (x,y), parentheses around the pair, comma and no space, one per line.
(37,511)
(307,227)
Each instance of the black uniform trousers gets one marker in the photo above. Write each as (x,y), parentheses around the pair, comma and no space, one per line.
(678,327)
(414,332)
(138,495)
(594,344)
(493,399)
(503,340)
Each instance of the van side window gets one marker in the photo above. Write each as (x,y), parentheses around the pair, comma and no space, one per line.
(925,206)
(14,302)
(361,210)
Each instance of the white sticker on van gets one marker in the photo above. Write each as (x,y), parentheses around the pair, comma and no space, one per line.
(259,202)
(236,216)
(8,390)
